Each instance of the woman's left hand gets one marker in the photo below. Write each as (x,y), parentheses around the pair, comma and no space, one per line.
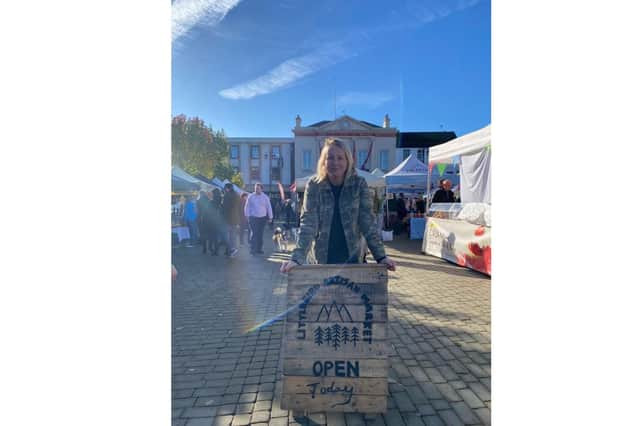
(391,265)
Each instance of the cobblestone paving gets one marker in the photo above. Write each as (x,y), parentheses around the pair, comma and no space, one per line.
(439,324)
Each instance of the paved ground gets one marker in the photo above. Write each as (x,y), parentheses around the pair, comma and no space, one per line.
(439,324)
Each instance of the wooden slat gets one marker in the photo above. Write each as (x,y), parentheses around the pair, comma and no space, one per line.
(358,403)
(294,348)
(329,294)
(367,367)
(315,312)
(293,331)
(362,386)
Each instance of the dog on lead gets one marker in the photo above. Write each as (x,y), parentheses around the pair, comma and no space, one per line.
(279,240)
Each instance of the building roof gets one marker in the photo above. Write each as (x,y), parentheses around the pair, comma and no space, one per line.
(323,122)
(319,123)
(423,139)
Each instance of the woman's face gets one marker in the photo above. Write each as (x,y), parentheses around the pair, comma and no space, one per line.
(336,162)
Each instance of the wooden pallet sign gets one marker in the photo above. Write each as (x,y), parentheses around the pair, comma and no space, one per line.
(336,341)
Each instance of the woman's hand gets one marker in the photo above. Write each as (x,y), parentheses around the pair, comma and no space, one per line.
(391,265)
(286,266)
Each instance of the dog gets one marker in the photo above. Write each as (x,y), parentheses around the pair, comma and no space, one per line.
(279,240)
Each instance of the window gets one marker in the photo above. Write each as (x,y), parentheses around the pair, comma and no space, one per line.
(234,152)
(384,160)
(255,173)
(306,160)
(421,155)
(255,152)
(275,152)
(406,153)
(275,174)
(362,157)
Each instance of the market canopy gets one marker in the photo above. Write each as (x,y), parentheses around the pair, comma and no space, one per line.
(177,172)
(472,152)
(373,181)
(411,174)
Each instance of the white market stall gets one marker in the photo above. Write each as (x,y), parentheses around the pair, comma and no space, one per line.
(373,181)
(462,235)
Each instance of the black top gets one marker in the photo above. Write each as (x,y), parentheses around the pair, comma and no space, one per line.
(442,196)
(338,252)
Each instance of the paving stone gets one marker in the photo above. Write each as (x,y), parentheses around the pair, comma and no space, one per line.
(354,419)
(433,421)
(470,398)
(426,410)
(450,418)
(222,421)
(279,421)
(241,420)
(225,410)
(418,374)
(336,419)
(465,413)
(412,419)
(199,412)
(175,413)
(481,392)
(484,414)
(199,422)
(430,390)
(448,392)
(440,404)
(183,402)
(393,417)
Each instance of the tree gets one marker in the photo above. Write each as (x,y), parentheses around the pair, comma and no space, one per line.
(198,149)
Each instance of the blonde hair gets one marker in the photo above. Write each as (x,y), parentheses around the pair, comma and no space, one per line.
(324,153)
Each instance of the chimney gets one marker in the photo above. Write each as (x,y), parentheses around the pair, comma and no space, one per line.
(386,122)
(298,120)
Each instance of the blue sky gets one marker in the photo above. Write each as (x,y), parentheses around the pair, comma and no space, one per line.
(249,66)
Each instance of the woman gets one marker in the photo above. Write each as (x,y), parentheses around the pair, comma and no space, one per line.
(337,212)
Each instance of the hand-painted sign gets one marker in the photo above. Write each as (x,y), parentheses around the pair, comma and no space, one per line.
(336,340)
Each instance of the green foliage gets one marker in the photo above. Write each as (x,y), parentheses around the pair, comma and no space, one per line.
(198,149)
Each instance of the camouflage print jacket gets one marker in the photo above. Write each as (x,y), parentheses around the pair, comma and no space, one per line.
(356,214)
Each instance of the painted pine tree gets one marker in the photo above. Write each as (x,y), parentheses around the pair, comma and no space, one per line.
(355,335)
(318,337)
(327,335)
(335,336)
(345,335)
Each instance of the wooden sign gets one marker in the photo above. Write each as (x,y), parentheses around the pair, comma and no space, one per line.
(336,340)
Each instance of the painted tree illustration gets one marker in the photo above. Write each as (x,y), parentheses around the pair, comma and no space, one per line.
(345,335)
(327,335)
(355,335)
(336,336)
(317,333)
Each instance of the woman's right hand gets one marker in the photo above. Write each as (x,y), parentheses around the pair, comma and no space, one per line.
(286,266)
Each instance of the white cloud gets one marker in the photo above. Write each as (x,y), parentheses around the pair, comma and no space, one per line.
(288,72)
(185,14)
(432,10)
(367,99)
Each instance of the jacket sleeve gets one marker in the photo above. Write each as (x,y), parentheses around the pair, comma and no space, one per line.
(367,222)
(309,219)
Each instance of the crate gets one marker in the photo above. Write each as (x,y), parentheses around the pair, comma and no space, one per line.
(335,349)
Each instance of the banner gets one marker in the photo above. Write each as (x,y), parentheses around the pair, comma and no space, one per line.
(460,242)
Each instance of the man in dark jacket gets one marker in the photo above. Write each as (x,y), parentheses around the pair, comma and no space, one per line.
(444,194)
(231,216)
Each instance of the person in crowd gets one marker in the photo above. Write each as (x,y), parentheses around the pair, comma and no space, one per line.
(231,216)
(444,194)
(244,223)
(336,233)
(218,227)
(420,204)
(289,218)
(191,219)
(204,225)
(401,208)
(258,211)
